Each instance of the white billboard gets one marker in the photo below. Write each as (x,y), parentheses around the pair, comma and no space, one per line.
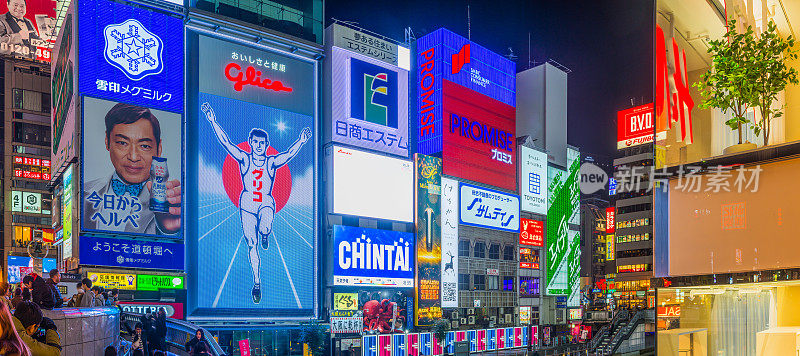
(449,285)
(533,180)
(31,202)
(370,185)
(488,208)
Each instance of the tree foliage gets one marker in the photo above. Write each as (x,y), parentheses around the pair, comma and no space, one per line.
(315,336)
(440,329)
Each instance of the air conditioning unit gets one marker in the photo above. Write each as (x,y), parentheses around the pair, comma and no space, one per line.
(509,320)
(471,311)
(454,315)
(455,324)
(471,319)
(463,320)
(501,321)
(492,319)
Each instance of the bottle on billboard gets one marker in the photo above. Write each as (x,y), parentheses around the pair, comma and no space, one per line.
(158,188)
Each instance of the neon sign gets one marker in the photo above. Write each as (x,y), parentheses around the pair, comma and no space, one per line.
(251,76)
(672,107)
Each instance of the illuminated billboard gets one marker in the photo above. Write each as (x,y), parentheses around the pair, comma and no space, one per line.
(488,208)
(28,29)
(532,180)
(372,257)
(635,126)
(130,54)
(66,217)
(449,253)
(131,171)
(465,108)
(428,191)
(96,251)
(369,103)
(253,141)
(370,185)
(531,232)
(558,215)
(113,280)
(572,184)
(64,93)
(528,258)
(31,168)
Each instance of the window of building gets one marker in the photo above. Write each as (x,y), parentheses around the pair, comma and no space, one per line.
(480,250)
(27,100)
(31,150)
(508,283)
(29,184)
(463,281)
(479,282)
(463,248)
(31,134)
(494,251)
(528,286)
(508,253)
(492,282)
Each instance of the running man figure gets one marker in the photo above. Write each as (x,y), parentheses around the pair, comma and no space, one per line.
(256,205)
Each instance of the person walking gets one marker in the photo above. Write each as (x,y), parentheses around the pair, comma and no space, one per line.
(10,342)
(52,287)
(198,345)
(5,293)
(40,293)
(139,342)
(161,328)
(17,298)
(87,301)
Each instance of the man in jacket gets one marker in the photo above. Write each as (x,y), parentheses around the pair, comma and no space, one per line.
(28,321)
(39,292)
(87,301)
(52,286)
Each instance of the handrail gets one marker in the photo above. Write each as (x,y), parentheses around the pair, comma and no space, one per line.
(606,329)
(178,332)
(627,330)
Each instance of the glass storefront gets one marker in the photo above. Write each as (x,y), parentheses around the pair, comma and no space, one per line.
(744,319)
(272,342)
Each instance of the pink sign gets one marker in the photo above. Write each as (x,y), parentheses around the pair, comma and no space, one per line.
(244,347)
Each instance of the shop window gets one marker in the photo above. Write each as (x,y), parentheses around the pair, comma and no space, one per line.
(463,248)
(479,282)
(494,251)
(508,253)
(480,250)
(463,281)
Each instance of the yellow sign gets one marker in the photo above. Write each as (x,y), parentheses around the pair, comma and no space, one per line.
(610,248)
(345,301)
(113,280)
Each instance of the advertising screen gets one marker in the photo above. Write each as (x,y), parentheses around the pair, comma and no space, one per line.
(573,184)
(66,200)
(529,286)
(130,54)
(31,168)
(371,185)
(173,310)
(20,266)
(488,208)
(611,221)
(113,280)
(64,90)
(372,257)
(132,158)
(528,258)
(29,29)
(558,248)
(531,232)
(254,130)
(96,251)
(428,189)
(635,126)
(381,311)
(31,202)
(532,180)
(369,103)
(745,227)
(449,263)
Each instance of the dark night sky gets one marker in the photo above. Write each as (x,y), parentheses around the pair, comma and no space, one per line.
(607,44)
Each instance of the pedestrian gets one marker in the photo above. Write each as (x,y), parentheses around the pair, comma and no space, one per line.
(139,342)
(110,351)
(39,291)
(52,286)
(99,301)
(87,300)
(17,297)
(198,344)
(26,295)
(5,292)
(10,342)
(114,296)
(37,331)
(152,333)
(161,328)
(75,301)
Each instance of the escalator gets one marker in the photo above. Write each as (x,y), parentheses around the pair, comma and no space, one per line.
(178,333)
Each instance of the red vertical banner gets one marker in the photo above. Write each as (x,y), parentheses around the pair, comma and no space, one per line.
(244,347)
(481,340)
(461,335)
(384,345)
(412,343)
(611,220)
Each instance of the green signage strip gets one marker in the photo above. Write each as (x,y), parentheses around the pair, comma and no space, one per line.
(154,282)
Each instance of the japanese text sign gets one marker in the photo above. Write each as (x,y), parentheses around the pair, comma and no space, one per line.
(373,257)
(531,232)
(97,251)
(488,208)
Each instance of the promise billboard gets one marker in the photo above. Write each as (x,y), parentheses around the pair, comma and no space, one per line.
(427,305)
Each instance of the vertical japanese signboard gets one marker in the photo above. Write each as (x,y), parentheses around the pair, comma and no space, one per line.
(66,216)
(428,181)
(533,180)
(557,222)
(63,91)
(449,263)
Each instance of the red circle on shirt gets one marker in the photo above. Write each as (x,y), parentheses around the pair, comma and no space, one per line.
(232,179)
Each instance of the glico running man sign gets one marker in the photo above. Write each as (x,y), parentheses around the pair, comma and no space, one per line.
(372,257)
(253,129)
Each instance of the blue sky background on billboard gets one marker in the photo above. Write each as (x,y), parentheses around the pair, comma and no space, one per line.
(130,55)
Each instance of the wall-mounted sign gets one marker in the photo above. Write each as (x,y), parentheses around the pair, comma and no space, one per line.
(96,251)
(113,280)
(156,282)
(365,44)
(173,310)
(29,29)
(449,243)
(532,180)
(428,189)
(31,202)
(130,54)
(635,126)
(673,311)
(528,258)
(531,232)
(488,208)
(372,257)
(31,168)
(345,301)
(611,220)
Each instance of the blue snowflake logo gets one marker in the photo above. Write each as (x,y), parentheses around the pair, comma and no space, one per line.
(133,49)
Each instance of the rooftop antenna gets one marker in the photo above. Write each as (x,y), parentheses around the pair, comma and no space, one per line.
(529,50)
(409,35)
(469,25)
(511,56)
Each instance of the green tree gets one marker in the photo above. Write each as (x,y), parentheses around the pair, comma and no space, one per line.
(440,329)
(729,85)
(771,52)
(314,335)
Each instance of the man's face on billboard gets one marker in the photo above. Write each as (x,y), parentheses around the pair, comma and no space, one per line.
(17,8)
(258,144)
(131,148)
